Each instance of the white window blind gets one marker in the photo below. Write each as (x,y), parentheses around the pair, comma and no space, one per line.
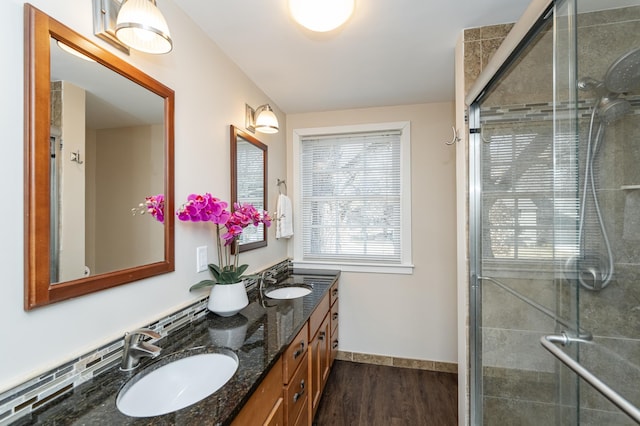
(350,197)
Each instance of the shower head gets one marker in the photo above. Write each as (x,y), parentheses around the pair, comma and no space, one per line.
(624,73)
(622,76)
(611,108)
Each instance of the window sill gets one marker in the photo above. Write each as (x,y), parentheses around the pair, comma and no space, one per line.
(356,267)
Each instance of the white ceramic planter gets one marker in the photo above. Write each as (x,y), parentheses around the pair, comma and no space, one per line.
(228,299)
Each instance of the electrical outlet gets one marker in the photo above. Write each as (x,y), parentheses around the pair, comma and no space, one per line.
(201,259)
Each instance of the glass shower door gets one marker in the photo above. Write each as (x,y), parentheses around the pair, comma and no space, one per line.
(524,211)
(555,224)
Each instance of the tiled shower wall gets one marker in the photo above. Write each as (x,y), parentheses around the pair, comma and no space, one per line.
(56,104)
(612,315)
(479,46)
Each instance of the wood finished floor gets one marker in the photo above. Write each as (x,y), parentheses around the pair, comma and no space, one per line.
(374,395)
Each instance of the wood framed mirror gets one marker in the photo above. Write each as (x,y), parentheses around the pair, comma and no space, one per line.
(99,138)
(249,182)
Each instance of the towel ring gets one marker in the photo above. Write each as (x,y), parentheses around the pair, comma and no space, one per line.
(280,183)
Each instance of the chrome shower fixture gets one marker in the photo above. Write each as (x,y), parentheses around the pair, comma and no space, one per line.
(609,107)
(612,108)
(588,83)
(624,73)
(622,76)
(594,271)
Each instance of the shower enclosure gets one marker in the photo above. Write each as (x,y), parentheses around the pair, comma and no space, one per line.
(554,228)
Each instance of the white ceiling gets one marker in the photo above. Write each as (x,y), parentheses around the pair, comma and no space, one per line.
(391,52)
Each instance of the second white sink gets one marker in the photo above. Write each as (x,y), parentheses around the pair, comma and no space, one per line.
(289,292)
(177,384)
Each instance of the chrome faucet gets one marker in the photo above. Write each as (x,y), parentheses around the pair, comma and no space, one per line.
(135,348)
(266,276)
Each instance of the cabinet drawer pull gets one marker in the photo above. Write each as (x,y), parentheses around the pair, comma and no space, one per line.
(298,395)
(335,316)
(321,335)
(300,351)
(335,344)
(334,293)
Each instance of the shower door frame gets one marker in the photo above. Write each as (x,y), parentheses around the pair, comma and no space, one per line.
(475,293)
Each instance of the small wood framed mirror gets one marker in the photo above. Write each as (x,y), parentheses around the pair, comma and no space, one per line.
(249,182)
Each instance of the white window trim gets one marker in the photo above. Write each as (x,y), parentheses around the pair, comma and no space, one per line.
(406,265)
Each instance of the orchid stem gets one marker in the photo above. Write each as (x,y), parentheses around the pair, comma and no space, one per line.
(219,246)
(236,256)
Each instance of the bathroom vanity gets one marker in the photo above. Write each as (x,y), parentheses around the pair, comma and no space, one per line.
(284,348)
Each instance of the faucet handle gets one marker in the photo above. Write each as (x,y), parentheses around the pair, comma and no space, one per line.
(133,337)
(134,349)
(269,276)
(146,332)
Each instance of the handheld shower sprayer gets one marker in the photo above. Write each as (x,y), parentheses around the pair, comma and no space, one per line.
(591,270)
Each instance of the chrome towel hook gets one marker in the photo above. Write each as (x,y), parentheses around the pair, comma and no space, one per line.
(282,182)
(455,138)
(75,157)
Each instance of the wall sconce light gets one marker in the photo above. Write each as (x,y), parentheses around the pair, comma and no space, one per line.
(321,15)
(262,119)
(135,24)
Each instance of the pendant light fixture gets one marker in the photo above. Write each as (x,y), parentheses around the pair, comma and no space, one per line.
(321,15)
(141,26)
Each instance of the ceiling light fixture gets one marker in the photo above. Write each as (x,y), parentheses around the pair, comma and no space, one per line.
(262,119)
(321,15)
(141,26)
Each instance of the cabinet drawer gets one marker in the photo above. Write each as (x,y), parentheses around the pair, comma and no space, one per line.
(334,317)
(318,316)
(296,392)
(294,353)
(334,293)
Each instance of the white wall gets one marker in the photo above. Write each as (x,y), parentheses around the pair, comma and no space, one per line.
(407,316)
(71,184)
(210,94)
(121,239)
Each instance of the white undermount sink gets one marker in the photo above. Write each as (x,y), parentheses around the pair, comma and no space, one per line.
(177,384)
(288,292)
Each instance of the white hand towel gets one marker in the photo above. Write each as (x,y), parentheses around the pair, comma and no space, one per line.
(284,217)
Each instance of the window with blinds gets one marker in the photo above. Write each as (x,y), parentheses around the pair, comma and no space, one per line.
(530,201)
(351,197)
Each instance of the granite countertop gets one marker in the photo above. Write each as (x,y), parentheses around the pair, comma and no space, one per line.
(257,335)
